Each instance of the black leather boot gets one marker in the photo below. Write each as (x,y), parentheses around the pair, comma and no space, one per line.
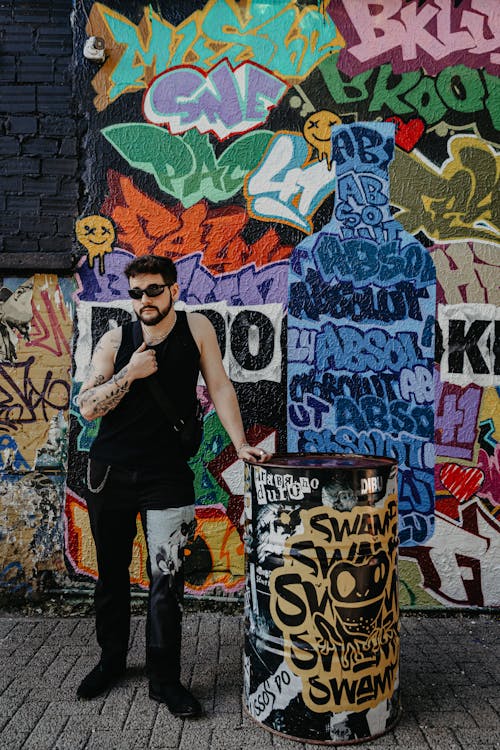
(101,678)
(178,700)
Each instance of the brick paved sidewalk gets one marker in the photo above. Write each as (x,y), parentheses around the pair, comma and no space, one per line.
(449,676)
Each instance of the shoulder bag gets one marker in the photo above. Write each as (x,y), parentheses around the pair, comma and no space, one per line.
(190,428)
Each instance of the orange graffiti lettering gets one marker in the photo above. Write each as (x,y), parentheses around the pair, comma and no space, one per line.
(145,226)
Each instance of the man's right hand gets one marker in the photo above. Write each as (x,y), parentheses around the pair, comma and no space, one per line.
(142,363)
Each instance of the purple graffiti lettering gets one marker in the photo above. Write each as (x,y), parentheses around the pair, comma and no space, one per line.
(222,101)
(107,287)
(250,286)
(457,412)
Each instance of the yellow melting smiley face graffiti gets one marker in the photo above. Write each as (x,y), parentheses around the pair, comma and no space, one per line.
(96,234)
(317,132)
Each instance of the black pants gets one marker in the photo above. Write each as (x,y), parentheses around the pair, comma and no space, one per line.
(114,499)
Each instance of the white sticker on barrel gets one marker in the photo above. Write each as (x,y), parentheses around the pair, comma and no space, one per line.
(275,693)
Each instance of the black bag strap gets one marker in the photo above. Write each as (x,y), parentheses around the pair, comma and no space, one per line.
(154,385)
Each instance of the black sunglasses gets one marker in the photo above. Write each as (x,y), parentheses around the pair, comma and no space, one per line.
(152,290)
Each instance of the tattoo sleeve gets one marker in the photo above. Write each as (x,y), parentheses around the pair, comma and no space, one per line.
(104,395)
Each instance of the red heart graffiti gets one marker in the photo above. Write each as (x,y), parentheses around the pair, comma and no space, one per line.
(461,481)
(407,133)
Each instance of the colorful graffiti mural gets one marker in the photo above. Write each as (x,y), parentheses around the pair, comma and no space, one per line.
(413,36)
(216,135)
(35,367)
(221,30)
(361,294)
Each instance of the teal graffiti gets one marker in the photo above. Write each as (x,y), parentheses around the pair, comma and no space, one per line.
(186,167)
(89,430)
(278,35)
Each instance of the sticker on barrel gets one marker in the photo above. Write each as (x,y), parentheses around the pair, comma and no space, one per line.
(335,599)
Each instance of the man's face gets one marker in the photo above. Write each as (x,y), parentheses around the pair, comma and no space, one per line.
(152,310)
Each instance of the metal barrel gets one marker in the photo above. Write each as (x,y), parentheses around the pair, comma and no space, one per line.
(321,659)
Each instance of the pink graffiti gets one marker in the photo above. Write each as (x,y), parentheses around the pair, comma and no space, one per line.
(467,272)
(490,466)
(413,35)
(46,331)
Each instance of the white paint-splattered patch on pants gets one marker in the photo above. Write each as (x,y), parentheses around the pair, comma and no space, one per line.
(167,532)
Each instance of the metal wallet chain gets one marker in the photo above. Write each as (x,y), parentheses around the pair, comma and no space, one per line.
(99,488)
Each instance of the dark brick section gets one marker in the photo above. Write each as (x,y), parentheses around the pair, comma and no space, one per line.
(40,153)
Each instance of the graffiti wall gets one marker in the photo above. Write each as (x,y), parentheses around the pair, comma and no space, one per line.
(325,176)
(35,385)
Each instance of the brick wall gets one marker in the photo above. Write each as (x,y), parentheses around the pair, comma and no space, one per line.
(40,133)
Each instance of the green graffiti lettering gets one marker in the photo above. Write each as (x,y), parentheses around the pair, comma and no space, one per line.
(186,167)
(426,101)
(461,89)
(457,89)
(385,95)
(153,150)
(344,91)
(206,178)
(493,98)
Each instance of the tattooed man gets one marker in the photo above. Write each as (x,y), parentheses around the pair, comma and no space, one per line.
(136,465)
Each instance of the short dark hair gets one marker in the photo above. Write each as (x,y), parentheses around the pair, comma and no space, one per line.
(153,264)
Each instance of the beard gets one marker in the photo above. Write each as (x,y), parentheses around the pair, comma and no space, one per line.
(160,314)
(152,321)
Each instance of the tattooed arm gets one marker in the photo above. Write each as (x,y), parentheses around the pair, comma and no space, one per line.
(104,389)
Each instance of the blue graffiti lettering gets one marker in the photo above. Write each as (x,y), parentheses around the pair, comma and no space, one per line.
(416,491)
(362,260)
(348,348)
(417,384)
(314,297)
(311,412)
(331,385)
(407,449)
(415,528)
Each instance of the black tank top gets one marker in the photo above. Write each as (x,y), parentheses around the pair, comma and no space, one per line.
(136,434)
